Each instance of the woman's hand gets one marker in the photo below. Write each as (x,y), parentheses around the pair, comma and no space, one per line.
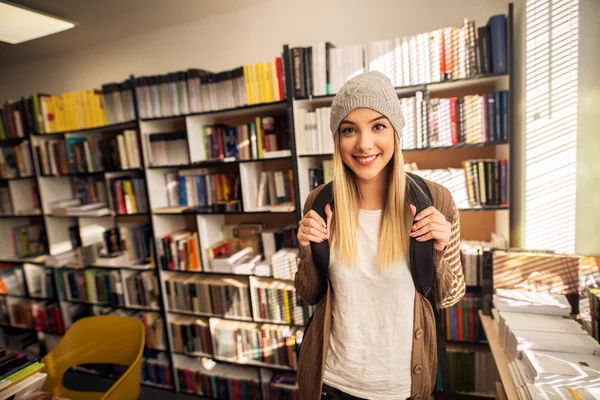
(312,228)
(431,224)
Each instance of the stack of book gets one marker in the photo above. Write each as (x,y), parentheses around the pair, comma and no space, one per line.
(247,342)
(19,376)
(191,335)
(92,285)
(196,91)
(264,137)
(166,149)
(275,239)
(219,381)
(127,195)
(284,263)
(276,301)
(443,54)
(204,189)
(16,162)
(462,320)
(206,295)
(549,351)
(179,251)
(142,290)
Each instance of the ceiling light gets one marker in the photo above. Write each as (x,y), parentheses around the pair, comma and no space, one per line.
(18,24)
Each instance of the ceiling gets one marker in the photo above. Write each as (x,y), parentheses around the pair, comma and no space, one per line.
(101,21)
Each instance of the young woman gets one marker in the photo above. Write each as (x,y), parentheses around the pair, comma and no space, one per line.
(372,335)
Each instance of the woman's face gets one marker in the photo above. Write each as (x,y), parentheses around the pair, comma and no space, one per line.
(366,142)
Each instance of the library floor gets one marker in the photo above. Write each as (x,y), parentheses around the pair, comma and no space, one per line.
(81,381)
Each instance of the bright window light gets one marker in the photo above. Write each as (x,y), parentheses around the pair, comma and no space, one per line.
(19,24)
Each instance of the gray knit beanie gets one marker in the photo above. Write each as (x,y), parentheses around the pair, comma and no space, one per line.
(371,90)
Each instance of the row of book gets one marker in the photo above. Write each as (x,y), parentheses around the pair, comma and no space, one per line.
(219,382)
(167,149)
(247,342)
(142,289)
(462,320)
(156,370)
(130,240)
(313,132)
(12,280)
(19,375)
(88,154)
(479,183)
(195,90)
(43,316)
(443,54)
(471,372)
(276,191)
(191,335)
(14,119)
(127,195)
(16,162)
(40,281)
(28,240)
(202,188)
(209,295)
(276,301)
(92,286)
(320,175)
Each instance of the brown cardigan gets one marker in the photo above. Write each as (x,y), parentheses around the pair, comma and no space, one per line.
(449,286)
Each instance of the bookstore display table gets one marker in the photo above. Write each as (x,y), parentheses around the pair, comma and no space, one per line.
(499,356)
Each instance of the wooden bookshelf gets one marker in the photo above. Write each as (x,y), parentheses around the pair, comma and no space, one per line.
(499,356)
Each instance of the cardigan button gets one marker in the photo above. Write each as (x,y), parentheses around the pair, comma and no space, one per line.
(418,334)
(417,369)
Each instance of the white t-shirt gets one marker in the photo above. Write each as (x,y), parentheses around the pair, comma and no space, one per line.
(371,336)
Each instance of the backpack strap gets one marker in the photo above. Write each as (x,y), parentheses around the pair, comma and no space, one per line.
(424,275)
(320,251)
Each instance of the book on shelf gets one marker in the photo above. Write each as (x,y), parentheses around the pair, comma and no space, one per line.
(40,281)
(130,242)
(52,157)
(219,381)
(42,316)
(12,279)
(276,191)
(91,285)
(179,251)
(284,263)
(73,207)
(16,162)
(276,301)
(127,195)
(275,239)
(170,148)
(154,328)
(191,335)
(447,53)
(156,369)
(13,119)
(462,320)
(204,189)
(312,131)
(195,90)
(471,253)
(118,102)
(89,189)
(320,175)
(263,137)
(247,342)
(142,289)
(279,385)
(209,295)
(5,201)
(471,371)
(29,240)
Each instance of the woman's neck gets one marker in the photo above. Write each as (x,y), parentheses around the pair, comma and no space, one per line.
(372,192)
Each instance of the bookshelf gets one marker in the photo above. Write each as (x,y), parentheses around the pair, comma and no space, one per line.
(176,145)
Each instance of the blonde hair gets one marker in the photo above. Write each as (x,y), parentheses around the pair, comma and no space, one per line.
(396,216)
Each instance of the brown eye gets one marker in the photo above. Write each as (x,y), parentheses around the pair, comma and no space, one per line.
(379,127)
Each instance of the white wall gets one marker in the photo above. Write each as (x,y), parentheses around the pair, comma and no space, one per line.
(245,36)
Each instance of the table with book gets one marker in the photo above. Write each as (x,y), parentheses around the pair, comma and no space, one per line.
(541,352)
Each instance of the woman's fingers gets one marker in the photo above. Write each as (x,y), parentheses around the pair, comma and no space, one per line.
(312,214)
(313,223)
(432,226)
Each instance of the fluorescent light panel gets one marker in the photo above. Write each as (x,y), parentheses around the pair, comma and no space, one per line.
(19,25)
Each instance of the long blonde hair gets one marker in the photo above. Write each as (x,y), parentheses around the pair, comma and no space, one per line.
(396,217)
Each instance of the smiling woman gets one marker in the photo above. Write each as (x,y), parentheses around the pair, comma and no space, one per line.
(372,334)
